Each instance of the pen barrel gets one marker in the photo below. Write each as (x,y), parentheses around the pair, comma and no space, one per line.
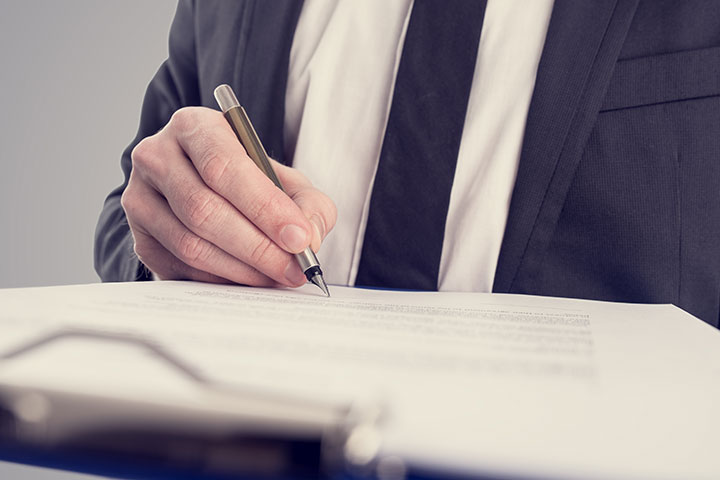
(239,121)
(245,132)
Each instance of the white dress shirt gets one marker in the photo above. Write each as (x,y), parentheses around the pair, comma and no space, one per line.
(343,64)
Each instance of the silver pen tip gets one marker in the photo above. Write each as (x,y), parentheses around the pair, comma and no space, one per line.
(320,282)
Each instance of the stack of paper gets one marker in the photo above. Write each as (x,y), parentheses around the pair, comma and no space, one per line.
(473,383)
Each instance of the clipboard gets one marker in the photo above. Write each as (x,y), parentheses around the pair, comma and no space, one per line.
(256,434)
(465,417)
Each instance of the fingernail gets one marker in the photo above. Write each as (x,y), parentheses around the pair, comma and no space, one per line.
(294,238)
(293,274)
(319,225)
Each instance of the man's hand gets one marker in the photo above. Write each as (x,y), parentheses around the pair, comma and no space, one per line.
(200,209)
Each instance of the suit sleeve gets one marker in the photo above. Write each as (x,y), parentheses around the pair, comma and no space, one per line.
(175,85)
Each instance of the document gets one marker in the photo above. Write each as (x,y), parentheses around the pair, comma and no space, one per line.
(470,383)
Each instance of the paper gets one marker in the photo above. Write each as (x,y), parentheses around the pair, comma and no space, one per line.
(473,383)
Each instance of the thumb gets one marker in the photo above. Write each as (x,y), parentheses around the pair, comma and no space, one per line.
(317,207)
(319,210)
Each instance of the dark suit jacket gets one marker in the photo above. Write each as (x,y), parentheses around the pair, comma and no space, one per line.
(618,190)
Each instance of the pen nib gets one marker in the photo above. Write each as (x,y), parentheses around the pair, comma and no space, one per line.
(320,282)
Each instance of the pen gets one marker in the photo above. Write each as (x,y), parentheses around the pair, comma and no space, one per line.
(240,122)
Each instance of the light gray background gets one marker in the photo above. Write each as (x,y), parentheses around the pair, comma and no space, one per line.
(72,78)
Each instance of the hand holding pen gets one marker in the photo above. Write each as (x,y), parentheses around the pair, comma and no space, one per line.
(240,122)
(199,208)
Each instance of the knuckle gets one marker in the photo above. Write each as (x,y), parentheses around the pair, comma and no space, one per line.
(145,249)
(213,167)
(185,119)
(142,152)
(141,249)
(147,156)
(261,252)
(200,207)
(190,121)
(191,249)
(128,201)
(266,205)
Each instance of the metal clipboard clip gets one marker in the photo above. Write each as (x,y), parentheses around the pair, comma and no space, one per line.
(257,433)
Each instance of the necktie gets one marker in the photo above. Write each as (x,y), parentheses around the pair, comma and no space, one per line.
(411,193)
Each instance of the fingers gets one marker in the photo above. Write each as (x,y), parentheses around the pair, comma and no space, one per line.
(165,265)
(200,208)
(211,217)
(152,217)
(207,139)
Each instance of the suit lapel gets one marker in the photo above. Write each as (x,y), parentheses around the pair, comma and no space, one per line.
(581,48)
(262,69)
